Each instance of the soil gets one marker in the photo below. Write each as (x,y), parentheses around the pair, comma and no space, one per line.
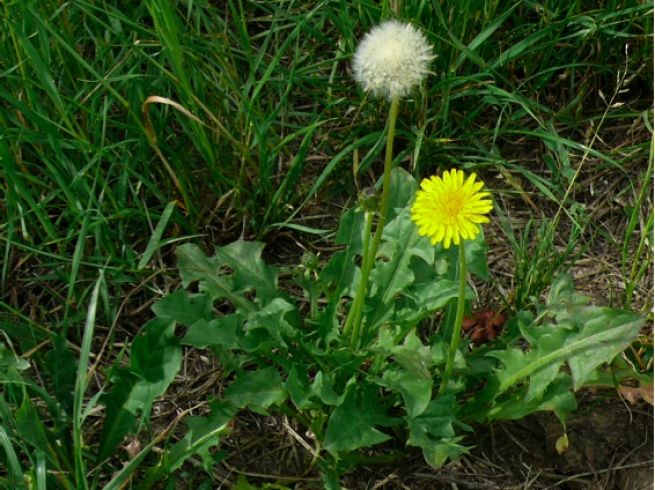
(610,447)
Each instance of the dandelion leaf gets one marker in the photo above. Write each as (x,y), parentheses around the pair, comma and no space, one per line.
(416,391)
(402,190)
(400,243)
(183,307)
(557,398)
(202,434)
(250,271)
(234,271)
(433,432)
(566,331)
(352,424)
(298,387)
(156,358)
(341,271)
(256,390)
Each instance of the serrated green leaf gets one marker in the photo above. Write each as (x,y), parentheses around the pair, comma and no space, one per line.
(584,337)
(400,243)
(259,340)
(302,392)
(297,384)
(121,412)
(444,450)
(202,434)
(156,358)
(439,353)
(322,388)
(612,332)
(387,338)
(551,339)
(183,307)
(341,276)
(562,293)
(330,474)
(243,484)
(433,432)
(257,390)
(351,425)
(29,426)
(156,355)
(341,271)
(235,270)
(403,255)
(435,423)
(62,367)
(416,391)
(556,398)
(250,271)
(212,277)
(402,189)
(413,356)
(434,294)
(476,256)
(278,317)
(221,332)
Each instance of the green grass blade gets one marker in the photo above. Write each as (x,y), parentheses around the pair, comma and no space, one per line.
(15,470)
(81,385)
(155,240)
(41,468)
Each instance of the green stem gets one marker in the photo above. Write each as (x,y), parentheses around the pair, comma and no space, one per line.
(386,181)
(361,287)
(459,317)
(354,318)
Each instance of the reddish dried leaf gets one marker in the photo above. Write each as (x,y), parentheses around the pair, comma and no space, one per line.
(484,326)
(479,336)
(468,323)
(498,320)
(490,331)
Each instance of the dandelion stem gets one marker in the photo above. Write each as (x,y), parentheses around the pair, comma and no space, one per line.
(459,317)
(355,314)
(386,180)
(361,287)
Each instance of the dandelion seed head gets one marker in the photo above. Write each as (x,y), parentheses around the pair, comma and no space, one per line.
(391,59)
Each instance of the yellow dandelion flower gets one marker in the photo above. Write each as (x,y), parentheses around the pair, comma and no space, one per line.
(449,208)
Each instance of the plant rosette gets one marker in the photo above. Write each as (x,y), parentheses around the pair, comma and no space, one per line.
(279,355)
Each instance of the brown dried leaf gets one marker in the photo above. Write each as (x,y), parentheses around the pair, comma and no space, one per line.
(646,392)
(630,394)
(634,395)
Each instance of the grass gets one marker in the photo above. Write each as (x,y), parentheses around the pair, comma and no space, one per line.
(128,127)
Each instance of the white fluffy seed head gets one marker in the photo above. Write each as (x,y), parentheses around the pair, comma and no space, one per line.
(391,59)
